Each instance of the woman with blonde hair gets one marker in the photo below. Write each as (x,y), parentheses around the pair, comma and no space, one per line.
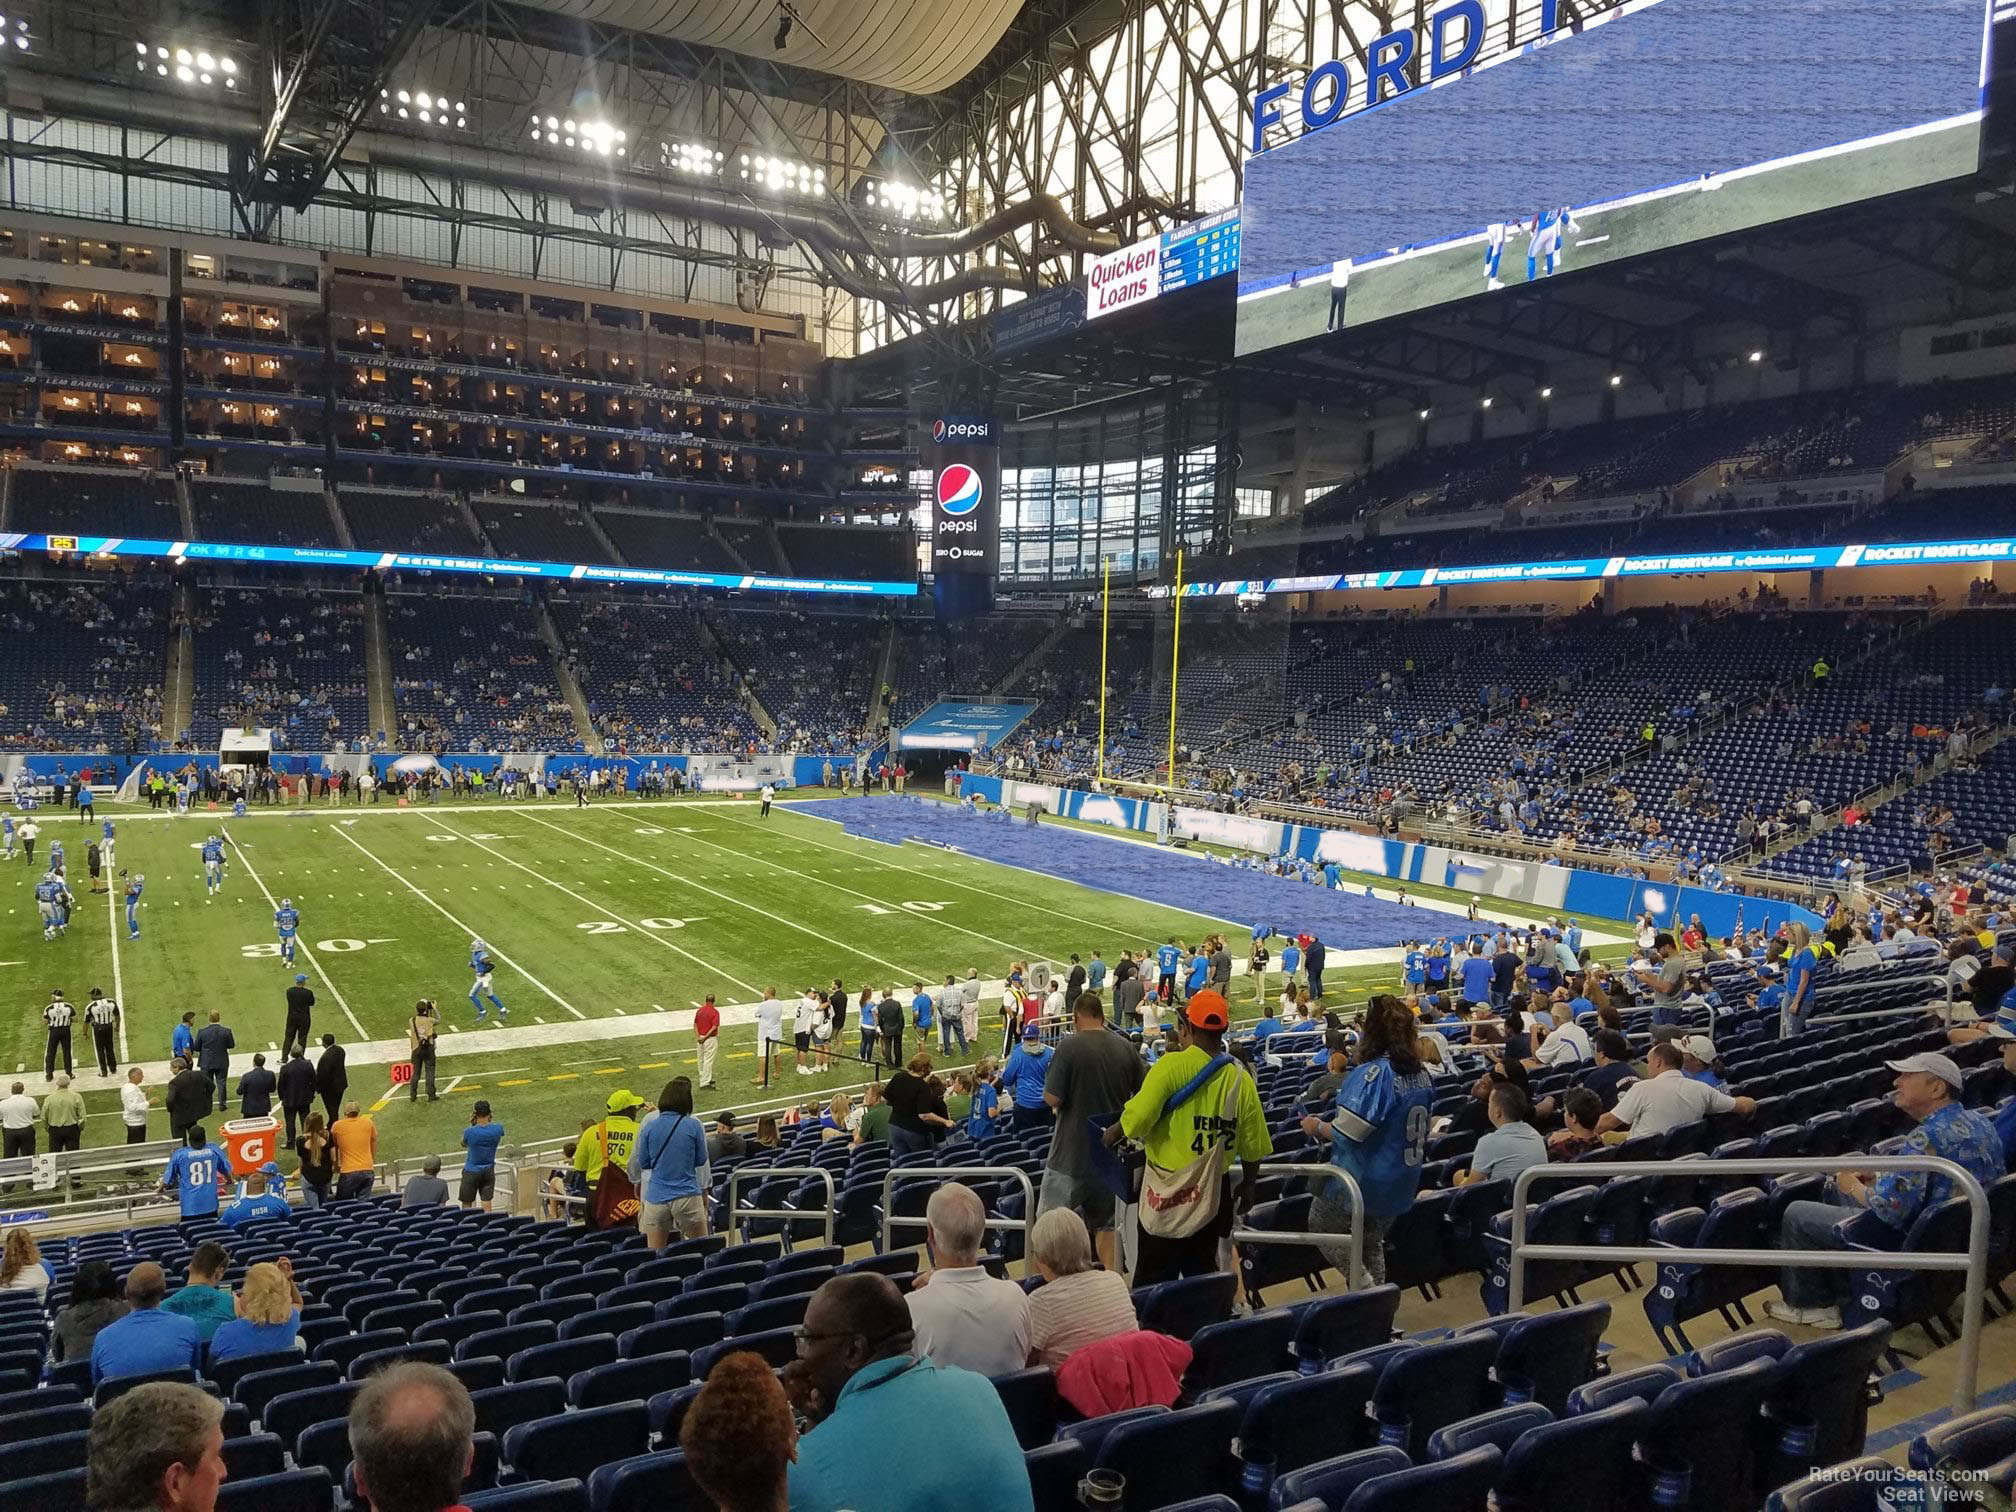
(834,1124)
(269,1315)
(21,1266)
(1801,962)
(1078,1304)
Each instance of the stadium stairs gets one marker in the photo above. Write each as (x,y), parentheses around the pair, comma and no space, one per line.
(563,673)
(602,537)
(378,661)
(1038,654)
(475,524)
(185,504)
(733,552)
(337,522)
(878,698)
(178,686)
(6,497)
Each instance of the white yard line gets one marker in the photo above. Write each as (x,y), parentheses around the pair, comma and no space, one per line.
(118,976)
(586,902)
(397,876)
(300,945)
(931,876)
(907,973)
(1010,946)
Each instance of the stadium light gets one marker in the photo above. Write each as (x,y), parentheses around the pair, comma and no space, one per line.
(901,202)
(1616,380)
(184,65)
(760,171)
(1424,414)
(692,158)
(424,107)
(579,132)
(1547,393)
(1756,356)
(1487,401)
(14,33)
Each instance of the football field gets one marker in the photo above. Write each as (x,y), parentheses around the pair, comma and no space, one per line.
(608,925)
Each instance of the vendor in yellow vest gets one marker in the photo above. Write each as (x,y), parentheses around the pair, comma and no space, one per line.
(600,1157)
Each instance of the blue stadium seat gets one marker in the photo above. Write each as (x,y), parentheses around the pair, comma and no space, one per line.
(1296,1422)
(1091,1432)
(1331,1327)
(1645,1384)
(507,1339)
(772,1312)
(227,1373)
(1423,1389)
(545,1496)
(1501,1427)
(1238,1349)
(632,1380)
(1857,1486)
(340,1352)
(779,1346)
(289,1491)
(566,1358)
(1816,1411)
(1542,1359)
(1180,1307)
(288,1413)
(1703,1433)
(18,1426)
(1054,1473)
(1598,1443)
(113,1387)
(501,1408)
(669,1334)
(1978,1440)
(1171,1455)
(667,1410)
(1030,1397)
(573,1445)
(1332,1482)
(44,1456)
(478,1373)
(610,1320)
(60,1491)
(1461,1484)
(649,1483)
(429,1352)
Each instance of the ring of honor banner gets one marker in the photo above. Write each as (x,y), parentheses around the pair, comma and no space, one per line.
(965,496)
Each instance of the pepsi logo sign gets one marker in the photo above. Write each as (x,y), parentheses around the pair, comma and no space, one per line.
(959,490)
(938,431)
(943,431)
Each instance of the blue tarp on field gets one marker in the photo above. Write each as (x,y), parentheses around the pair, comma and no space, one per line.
(1344,919)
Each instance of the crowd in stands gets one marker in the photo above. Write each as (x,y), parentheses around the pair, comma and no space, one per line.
(84,666)
(473,674)
(282,660)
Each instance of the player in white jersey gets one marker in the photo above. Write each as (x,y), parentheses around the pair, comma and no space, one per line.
(1544,248)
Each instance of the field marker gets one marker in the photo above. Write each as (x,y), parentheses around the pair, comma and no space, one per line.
(628,923)
(909,973)
(300,945)
(399,877)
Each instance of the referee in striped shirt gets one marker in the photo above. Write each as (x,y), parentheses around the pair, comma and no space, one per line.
(58,1015)
(102,1014)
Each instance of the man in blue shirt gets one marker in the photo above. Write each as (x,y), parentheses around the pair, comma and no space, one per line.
(193,1170)
(1928,1088)
(147,1340)
(1095,973)
(920,1009)
(867,1390)
(1167,959)
(1476,974)
(479,1157)
(256,1205)
(1023,1077)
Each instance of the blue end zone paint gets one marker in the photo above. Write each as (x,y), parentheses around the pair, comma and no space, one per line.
(1178,880)
(964,725)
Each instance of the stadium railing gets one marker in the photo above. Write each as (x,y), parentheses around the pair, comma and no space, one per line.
(739,1216)
(1354,1242)
(92,1168)
(892,1221)
(1974,1262)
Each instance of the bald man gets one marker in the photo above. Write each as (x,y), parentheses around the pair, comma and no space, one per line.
(412,1438)
(856,1374)
(147,1340)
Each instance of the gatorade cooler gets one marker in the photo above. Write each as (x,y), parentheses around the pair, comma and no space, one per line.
(251,1142)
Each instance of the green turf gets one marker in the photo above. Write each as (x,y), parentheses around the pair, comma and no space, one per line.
(592,917)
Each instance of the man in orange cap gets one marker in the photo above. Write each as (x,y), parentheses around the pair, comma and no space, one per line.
(1197,1109)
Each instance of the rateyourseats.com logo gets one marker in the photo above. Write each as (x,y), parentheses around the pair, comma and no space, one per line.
(959,490)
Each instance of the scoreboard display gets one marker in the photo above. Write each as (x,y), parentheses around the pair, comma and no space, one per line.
(1202,250)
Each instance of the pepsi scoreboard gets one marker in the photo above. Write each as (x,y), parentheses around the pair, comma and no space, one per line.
(415,561)
(1468,155)
(965,496)
(1597,569)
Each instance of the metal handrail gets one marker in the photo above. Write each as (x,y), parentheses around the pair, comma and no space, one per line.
(1974,1262)
(1010,1225)
(738,1218)
(1355,1267)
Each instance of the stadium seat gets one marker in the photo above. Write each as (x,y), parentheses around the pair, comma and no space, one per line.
(545,1496)
(670,1334)
(1030,1397)
(1702,1435)
(43,1456)
(1458,1484)
(227,1373)
(667,1410)
(1816,1410)
(779,1346)
(631,1380)
(609,1320)
(429,1351)
(1502,1427)
(1542,1359)
(114,1387)
(1171,1455)
(19,1427)
(1980,1439)
(1599,1444)
(649,1483)
(1054,1473)
(287,1414)
(1331,1483)
(1238,1349)
(1860,1485)
(1092,1432)
(1297,1422)
(289,1491)
(1438,1383)
(572,1446)
(507,1340)
(1180,1307)
(59,1491)
(1330,1327)
(566,1358)
(501,1408)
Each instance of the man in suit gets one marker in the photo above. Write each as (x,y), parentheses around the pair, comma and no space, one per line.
(187,1098)
(255,1090)
(214,1044)
(297,1089)
(331,1079)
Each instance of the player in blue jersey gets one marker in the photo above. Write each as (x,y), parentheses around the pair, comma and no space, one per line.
(1167,959)
(47,893)
(192,1174)
(135,885)
(238,807)
(1378,1131)
(1544,248)
(56,857)
(1494,252)
(482,965)
(1416,972)
(7,836)
(107,837)
(213,867)
(287,920)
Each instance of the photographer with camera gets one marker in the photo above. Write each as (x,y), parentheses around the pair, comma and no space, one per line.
(422,1036)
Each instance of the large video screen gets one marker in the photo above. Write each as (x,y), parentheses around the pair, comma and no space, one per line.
(1656,124)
